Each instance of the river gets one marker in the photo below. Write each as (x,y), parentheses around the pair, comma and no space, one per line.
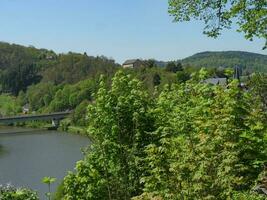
(27,155)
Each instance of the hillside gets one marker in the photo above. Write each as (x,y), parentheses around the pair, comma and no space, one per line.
(250,62)
(22,66)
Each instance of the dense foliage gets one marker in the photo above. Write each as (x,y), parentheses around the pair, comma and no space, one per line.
(193,141)
(74,67)
(174,67)
(8,106)
(9,192)
(250,15)
(113,167)
(259,84)
(22,66)
(208,144)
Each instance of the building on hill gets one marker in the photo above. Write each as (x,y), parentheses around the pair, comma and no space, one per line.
(216,81)
(133,63)
(26,109)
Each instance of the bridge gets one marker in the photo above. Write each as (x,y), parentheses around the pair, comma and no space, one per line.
(54,117)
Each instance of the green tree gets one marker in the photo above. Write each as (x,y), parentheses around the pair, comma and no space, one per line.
(156,79)
(250,15)
(258,83)
(182,76)
(40,95)
(118,124)
(150,63)
(209,142)
(9,106)
(19,77)
(174,67)
(79,115)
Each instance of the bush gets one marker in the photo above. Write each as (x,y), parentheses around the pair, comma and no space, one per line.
(9,192)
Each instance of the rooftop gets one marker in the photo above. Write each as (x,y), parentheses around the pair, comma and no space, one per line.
(215,81)
(131,61)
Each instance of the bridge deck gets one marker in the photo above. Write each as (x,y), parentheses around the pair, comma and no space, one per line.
(23,118)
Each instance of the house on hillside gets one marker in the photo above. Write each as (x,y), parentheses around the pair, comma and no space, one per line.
(216,81)
(26,109)
(133,63)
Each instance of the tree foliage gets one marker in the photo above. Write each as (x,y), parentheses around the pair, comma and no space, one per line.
(258,82)
(8,106)
(78,116)
(73,67)
(194,141)
(250,15)
(209,142)
(22,66)
(18,78)
(9,192)
(156,79)
(118,124)
(174,67)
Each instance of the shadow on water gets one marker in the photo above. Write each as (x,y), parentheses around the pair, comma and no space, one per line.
(2,150)
(16,131)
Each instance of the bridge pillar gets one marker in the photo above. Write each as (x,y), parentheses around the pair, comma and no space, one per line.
(55,123)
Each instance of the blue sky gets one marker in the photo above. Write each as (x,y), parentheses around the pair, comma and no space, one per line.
(120,29)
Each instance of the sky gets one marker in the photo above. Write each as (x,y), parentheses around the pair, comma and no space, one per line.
(118,29)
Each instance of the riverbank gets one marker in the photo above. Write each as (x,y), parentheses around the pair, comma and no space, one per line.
(77,130)
(72,129)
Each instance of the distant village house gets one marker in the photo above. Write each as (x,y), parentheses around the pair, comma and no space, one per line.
(216,81)
(133,63)
(26,109)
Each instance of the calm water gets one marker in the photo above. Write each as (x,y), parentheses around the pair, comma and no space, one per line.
(29,155)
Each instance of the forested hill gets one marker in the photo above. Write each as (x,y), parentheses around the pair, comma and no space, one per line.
(13,54)
(250,62)
(22,66)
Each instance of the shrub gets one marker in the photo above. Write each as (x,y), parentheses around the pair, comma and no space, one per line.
(9,192)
